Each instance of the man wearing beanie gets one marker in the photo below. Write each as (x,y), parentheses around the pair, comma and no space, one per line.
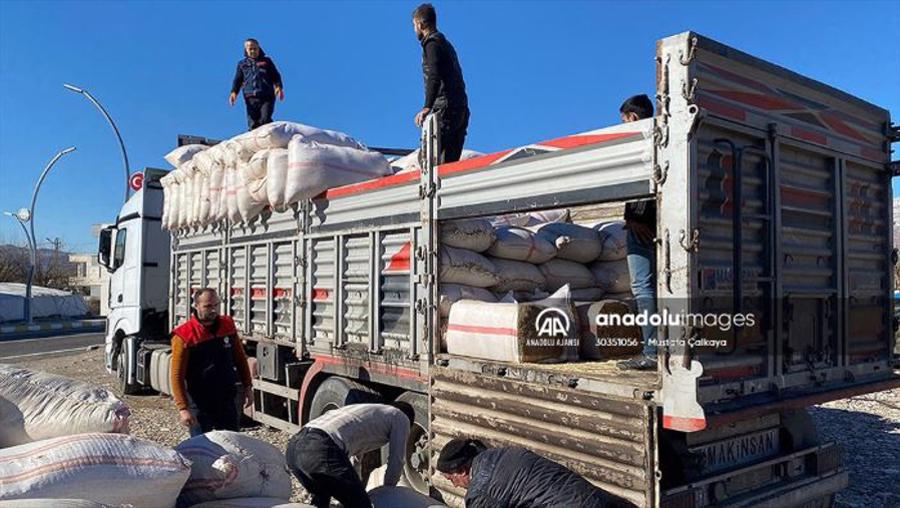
(513,476)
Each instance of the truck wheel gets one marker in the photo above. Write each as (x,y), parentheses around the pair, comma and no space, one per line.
(126,387)
(337,392)
(417,455)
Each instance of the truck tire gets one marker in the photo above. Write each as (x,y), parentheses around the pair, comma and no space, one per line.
(125,386)
(417,456)
(337,392)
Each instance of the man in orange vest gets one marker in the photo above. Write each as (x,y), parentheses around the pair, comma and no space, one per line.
(208,359)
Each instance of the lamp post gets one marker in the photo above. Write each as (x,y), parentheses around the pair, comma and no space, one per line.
(27,215)
(112,124)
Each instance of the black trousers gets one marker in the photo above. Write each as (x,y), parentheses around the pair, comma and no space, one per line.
(454,126)
(324,470)
(223,415)
(259,111)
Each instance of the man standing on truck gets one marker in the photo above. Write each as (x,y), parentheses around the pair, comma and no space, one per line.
(513,476)
(319,455)
(257,75)
(640,221)
(208,359)
(445,90)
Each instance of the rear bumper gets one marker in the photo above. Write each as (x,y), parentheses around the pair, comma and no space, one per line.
(811,493)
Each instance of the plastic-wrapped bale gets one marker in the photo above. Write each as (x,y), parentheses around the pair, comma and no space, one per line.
(520,244)
(560,272)
(529,219)
(410,161)
(52,406)
(12,425)
(251,502)
(279,135)
(536,331)
(52,503)
(452,293)
(612,276)
(460,266)
(573,242)
(276,178)
(229,464)
(315,167)
(401,497)
(517,276)
(183,154)
(471,234)
(112,469)
(603,341)
(612,235)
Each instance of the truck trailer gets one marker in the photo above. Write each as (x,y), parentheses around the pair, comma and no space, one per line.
(773,196)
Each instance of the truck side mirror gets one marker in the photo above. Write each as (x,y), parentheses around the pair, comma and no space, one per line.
(103,251)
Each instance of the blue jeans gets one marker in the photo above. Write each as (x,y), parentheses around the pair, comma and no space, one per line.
(642,269)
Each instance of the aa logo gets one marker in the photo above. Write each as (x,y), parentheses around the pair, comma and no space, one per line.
(552,322)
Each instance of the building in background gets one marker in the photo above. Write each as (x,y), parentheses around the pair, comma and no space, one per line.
(90,279)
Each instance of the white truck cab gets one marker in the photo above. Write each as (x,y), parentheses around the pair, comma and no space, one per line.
(135,250)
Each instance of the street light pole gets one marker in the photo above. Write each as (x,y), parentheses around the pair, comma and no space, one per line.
(111,124)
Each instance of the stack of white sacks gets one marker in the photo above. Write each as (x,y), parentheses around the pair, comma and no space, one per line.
(273,166)
(524,258)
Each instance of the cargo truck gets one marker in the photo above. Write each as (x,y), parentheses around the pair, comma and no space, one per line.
(773,194)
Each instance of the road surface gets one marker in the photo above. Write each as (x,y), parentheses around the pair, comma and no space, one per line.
(19,350)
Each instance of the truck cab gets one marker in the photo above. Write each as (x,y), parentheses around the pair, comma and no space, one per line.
(135,250)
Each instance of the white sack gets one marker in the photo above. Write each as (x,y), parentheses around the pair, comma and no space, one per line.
(208,160)
(255,175)
(168,185)
(184,198)
(573,242)
(460,266)
(12,424)
(279,135)
(410,162)
(183,154)
(517,276)
(452,293)
(111,469)
(52,406)
(276,178)
(231,194)
(521,244)
(612,235)
(401,497)
(197,186)
(203,216)
(229,464)
(529,219)
(216,191)
(314,168)
(612,276)
(376,479)
(248,206)
(251,502)
(560,272)
(234,152)
(471,234)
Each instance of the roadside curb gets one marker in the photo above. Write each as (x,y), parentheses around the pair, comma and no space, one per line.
(9,332)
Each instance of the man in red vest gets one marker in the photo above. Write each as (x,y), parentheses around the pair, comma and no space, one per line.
(208,359)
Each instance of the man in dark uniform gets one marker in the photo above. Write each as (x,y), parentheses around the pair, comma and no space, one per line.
(510,477)
(445,90)
(257,75)
(208,360)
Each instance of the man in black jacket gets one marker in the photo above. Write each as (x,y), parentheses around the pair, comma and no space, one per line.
(257,75)
(445,90)
(515,477)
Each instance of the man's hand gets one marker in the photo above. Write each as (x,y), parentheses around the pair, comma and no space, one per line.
(248,396)
(420,116)
(232,98)
(279,92)
(641,231)
(187,418)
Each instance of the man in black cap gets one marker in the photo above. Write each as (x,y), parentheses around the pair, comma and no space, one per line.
(514,476)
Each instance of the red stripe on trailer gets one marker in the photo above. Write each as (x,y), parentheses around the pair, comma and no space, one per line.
(237,291)
(875,155)
(377,368)
(683,424)
(486,330)
(813,137)
(282,292)
(722,109)
(258,292)
(380,183)
(400,261)
(758,100)
(840,127)
(738,78)
(471,164)
(586,139)
(319,294)
(792,196)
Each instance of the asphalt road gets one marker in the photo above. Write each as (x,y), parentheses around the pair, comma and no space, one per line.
(19,350)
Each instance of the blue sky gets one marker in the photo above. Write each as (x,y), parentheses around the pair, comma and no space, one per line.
(534,70)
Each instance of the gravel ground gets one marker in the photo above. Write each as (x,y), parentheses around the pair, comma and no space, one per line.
(868,428)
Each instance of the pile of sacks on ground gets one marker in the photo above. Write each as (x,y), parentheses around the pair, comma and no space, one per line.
(64,443)
(500,273)
(271,167)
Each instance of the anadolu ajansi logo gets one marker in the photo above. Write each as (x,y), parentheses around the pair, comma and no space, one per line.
(552,322)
